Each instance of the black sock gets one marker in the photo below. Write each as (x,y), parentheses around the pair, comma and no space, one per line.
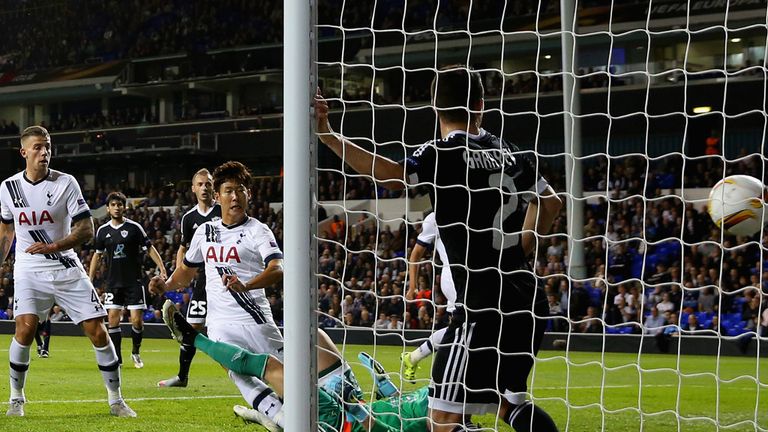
(117,339)
(39,341)
(188,333)
(186,355)
(519,417)
(136,335)
(46,333)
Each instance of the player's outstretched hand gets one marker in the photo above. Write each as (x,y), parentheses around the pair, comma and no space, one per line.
(42,248)
(233,283)
(157,285)
(321,114)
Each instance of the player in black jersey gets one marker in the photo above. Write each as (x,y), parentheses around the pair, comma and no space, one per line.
(123,243)
(205,210)
(489,205)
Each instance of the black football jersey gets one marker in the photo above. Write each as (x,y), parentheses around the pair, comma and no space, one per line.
(123,247)
(189,223)
(194,218)
(479,187)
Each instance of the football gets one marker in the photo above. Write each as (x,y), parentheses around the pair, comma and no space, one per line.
(736,204)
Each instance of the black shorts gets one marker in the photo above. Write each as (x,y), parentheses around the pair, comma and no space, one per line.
(131,297)
(500,355)
(197,310)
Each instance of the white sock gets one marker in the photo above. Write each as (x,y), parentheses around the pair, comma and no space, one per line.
(260,396)
(18,357)
(106,358)
(427,348)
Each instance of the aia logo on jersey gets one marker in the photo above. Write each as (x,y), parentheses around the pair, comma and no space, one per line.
(217,254)
(33,218)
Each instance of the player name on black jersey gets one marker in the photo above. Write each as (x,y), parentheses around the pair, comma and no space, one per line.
(479,187)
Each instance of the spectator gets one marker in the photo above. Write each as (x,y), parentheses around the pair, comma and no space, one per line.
(707,300)
(692,326)
(395,323)
(751,313)
(591,323)
(328,320)
(654,322)
(666,304)
(337,228)
(382,323)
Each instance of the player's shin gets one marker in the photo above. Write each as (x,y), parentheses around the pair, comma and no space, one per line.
(116,336)
(109,366)
(186,354)
(18,356)
(260,396)
(137,335)
(428,347)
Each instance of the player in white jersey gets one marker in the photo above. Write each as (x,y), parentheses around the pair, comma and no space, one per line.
(38,207)
(241,258)
(428,238)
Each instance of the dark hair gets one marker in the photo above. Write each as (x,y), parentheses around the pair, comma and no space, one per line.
(455,90)
(231,171)
(34,131)
(116,196)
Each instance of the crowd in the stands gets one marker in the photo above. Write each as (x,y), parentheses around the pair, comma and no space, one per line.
(651,263)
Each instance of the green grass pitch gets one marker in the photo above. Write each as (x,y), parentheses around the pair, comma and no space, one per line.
(66,392)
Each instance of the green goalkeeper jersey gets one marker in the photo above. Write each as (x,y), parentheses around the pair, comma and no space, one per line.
(407,413)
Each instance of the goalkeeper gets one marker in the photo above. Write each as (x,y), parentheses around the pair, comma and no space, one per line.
(407,413)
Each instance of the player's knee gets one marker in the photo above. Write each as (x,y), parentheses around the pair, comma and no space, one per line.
(94,329)
(26,328)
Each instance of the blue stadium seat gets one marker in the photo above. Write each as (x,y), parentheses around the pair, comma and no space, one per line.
(637,266)
(149,314)
(175,297)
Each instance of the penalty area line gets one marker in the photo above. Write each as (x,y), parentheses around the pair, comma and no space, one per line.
(132,399)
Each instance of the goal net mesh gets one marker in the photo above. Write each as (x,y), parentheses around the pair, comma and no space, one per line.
(655,314)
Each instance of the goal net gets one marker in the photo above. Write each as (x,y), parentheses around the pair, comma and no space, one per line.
(633,111)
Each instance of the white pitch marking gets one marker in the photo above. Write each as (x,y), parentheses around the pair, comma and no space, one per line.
(133,399)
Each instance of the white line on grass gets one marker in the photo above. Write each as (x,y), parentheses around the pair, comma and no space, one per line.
(133,399)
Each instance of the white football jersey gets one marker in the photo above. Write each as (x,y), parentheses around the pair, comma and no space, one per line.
(244,250)
(42,211)
(429,237)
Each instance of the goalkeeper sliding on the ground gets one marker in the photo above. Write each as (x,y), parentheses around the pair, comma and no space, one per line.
(407,413)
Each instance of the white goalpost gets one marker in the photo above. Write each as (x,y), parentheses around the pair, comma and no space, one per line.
(634,110)
(300,322)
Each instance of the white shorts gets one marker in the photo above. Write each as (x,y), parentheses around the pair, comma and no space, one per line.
(36,293)
(257,338)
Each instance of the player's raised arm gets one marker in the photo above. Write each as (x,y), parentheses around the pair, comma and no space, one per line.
(539,217)
(361,160)
(413,270)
